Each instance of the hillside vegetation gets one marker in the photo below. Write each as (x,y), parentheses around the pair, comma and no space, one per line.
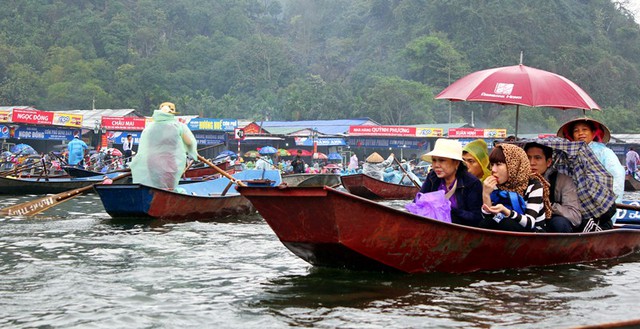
(310,59)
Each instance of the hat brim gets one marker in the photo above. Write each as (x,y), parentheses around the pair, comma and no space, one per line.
(565,133)
(435,153)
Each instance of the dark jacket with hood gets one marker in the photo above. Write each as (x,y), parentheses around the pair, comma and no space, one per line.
(468,196)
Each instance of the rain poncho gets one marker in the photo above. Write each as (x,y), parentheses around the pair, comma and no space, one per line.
(375,170)
(478,150)
(410,177)
(391,176)
(162,152)
(610,162)
(76,149)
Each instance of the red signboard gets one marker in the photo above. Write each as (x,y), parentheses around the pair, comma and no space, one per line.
(123,123)
(466,133)
(32,116)
(382,131)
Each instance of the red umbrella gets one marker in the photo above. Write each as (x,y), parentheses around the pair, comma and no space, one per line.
(305,153)
(519,85)
(320,156)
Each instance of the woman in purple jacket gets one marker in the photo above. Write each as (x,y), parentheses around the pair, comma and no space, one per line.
(449,173)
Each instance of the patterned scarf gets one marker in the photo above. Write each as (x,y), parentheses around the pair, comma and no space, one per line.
(519,171)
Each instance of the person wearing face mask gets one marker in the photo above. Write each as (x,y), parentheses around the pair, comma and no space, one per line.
(514,198)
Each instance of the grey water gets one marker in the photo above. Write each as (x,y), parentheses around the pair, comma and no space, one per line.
(73,267)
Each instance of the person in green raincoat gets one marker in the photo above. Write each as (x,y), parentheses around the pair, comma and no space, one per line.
(164,147)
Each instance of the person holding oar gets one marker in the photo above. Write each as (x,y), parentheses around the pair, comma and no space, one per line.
(77,149)
(163,150)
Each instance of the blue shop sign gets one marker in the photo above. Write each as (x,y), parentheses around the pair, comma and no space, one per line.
(199,124)
(307,141)
(59,134)
(412,143)
(118,137)
(209,138)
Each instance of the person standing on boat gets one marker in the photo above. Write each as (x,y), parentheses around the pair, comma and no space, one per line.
(127,148)
(563,195)
(521,196)
(77,149)
(476,156)
(374,165)
(164,147)
(448,174)
(263,163)
(595,134)
(632,159)
(298,163)
(353,164)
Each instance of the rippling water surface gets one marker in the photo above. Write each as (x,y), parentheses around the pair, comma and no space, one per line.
(72,267)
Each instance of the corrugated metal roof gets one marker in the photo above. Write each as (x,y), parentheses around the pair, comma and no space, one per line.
(324,127)
(90,116)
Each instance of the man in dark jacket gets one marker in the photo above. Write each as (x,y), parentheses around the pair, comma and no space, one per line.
(298,163)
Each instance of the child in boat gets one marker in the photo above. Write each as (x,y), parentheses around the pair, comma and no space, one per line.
(450,175)
(511,172)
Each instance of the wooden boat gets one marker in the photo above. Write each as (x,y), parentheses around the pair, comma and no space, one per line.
(373,189)
(307,180)
(211,199)
(631,184)
(19,186)
(326,227)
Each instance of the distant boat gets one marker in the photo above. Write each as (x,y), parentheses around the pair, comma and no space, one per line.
(207,200)
(631,184)
(374,189)
(336,229)
(21,186)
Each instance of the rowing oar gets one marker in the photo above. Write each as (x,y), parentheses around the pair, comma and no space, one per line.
(33,207)
(627,206)
(222,172)
(405,172)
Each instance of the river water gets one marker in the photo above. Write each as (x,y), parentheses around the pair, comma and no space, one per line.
(72,267)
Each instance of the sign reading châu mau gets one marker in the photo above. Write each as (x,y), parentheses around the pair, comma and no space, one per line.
(124,123)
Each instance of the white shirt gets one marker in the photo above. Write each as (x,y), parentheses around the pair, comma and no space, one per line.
(126,146)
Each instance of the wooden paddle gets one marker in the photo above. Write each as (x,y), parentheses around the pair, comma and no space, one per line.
(222,172)
(405,172)
(36,206)
(627,206)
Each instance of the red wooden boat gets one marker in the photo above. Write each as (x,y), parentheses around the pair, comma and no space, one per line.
(373,189)
(326,227)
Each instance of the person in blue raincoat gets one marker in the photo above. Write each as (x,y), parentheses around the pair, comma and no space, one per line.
(164,147)
(77,149)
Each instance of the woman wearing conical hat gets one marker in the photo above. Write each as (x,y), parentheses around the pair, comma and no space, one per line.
(374,165)
(595,134)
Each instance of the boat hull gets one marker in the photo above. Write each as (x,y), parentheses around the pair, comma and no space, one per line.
(326,227)
(21,186)
(139,201)
(308,180)
(373,189)
(631,184)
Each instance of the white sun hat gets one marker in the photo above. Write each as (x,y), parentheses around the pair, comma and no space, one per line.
(445,148)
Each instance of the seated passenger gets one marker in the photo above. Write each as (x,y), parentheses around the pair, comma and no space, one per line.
(476,155)
(511,172)
(374,165)
(450,175)
(565,206)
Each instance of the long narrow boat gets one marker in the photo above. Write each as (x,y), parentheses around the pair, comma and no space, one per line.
(326,227)
(21,186)
(205,200)
(631,184)
(308,180)
(374,189)
(190,173)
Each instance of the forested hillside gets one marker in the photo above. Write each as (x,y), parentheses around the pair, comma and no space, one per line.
(314,59)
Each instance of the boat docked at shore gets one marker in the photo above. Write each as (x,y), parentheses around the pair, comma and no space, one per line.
(374,189)
(206,200)
(329,228)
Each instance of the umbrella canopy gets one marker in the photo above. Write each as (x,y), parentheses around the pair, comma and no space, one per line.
(268,150)
(304,153)
(114,151)
(283,153)
(320,156)
(334,156)
(251,154)
(228,153)
(519,85)
(23,149)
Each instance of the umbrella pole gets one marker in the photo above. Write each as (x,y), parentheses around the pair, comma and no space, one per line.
(517,115)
